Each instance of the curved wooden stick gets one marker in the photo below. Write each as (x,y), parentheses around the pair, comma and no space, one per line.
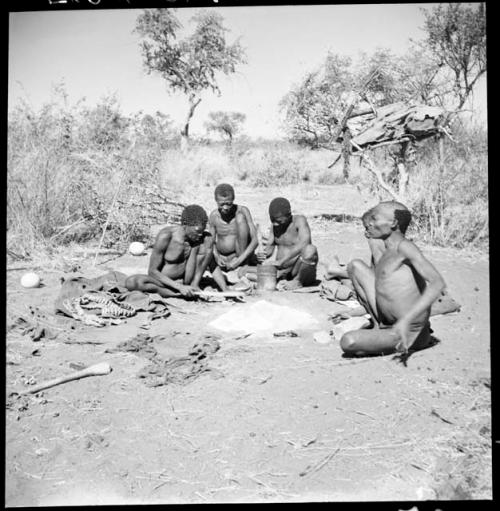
(225,294)
(94,370)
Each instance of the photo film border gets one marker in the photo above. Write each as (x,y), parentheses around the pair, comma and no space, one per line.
(56,5)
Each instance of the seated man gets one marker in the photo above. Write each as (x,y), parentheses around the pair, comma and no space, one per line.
(296,257)
(397,291)
(180,255)
(234,234)
(335,270)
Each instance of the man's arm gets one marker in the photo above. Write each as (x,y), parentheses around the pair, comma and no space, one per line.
(208,243)
(213,232)
(253,237)
(156,261)
(267,248)
(435,285)
(303,239)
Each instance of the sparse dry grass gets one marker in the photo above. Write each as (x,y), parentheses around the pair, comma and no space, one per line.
(447,194)
(66,163)
(64,167)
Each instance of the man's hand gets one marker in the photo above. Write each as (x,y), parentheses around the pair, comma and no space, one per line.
(401,328)
(187,291)
(261,256)
(220,262)
(233,264)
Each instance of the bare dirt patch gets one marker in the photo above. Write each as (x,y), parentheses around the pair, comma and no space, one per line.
(275,419)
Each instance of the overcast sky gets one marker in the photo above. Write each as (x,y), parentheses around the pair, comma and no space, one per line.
(96,53)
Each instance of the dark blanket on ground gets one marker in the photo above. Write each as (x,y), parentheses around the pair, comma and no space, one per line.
(111,284)
(162,371)
(40,324)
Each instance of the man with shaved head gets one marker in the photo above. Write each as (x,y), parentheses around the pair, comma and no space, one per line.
(336,270)
(289,240)
(180,255)
(234,234)
(398,290)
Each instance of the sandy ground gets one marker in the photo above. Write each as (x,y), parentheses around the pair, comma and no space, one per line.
(279,419)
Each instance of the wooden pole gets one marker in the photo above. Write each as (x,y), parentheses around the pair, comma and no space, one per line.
(371,167)
(109,215)
(132,145)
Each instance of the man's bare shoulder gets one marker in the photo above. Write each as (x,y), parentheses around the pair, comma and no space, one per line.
(242,209)
(214,215)
(300,220)
(168,232)
(207,238)
(407,248)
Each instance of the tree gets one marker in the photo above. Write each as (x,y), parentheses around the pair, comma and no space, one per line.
(188,65)
(456,35)
(385,87)
(226,123)
(420,76)
(313,107)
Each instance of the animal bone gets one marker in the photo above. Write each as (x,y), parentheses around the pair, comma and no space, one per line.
(94,370)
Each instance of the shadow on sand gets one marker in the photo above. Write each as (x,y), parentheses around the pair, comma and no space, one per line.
(399,357)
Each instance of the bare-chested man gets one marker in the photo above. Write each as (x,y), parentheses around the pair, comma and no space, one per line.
(290,237)
(398,290)
(234,234)
(180,255)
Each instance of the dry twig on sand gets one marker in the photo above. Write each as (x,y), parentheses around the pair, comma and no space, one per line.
(314,468)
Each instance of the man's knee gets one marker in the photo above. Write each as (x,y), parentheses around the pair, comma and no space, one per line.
(355,267)
(309,254)
(133,282)
(348,342)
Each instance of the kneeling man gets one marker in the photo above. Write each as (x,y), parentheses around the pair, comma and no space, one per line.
(290,237)
(180,255)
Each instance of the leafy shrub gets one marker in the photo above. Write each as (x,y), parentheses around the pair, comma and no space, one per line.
(65,164)
(447,194)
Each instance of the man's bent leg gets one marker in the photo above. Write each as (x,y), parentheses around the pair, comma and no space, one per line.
(148,284)
(363,279)
(251,273)
(335,270)
(303,271)
(381,341)
(308,262)
(217,274)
